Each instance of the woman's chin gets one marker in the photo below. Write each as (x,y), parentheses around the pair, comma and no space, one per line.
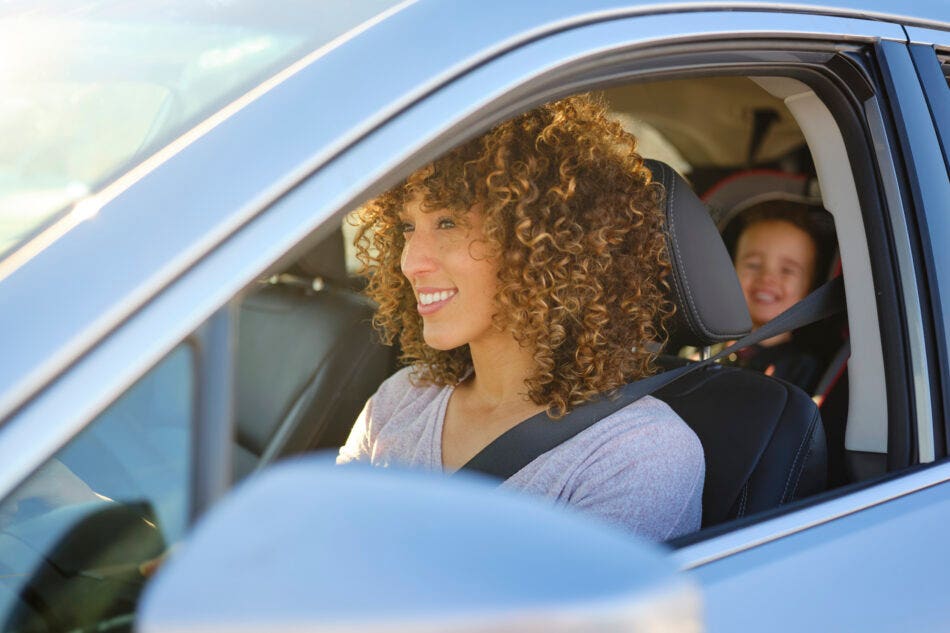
(443,343)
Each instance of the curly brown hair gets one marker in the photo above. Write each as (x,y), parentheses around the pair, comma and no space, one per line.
(573,217)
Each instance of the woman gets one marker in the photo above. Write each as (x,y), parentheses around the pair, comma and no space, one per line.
(524,272)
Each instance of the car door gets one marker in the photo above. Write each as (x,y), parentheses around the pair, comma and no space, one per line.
(898,493)
(873,560)
(281,171)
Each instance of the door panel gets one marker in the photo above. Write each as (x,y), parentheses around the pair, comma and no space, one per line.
(882,569)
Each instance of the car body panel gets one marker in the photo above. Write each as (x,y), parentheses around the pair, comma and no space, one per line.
(885,568)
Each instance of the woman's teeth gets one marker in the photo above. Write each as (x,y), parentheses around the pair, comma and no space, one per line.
(425,298)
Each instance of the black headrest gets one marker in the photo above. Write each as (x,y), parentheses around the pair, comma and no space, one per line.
(327,259)
(710,307)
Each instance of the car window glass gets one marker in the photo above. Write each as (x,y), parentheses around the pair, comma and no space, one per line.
(88,91)
(80,536)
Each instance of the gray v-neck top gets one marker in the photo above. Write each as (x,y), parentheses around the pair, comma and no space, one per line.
(641,468)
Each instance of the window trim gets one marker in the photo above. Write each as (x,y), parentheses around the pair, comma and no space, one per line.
(814,515)
(926,190)
(928,37)
(214,416)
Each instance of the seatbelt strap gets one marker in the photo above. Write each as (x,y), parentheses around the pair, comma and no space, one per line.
(519,446)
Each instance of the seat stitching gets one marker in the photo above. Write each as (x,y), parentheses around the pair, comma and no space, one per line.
(671,220)
(811,432)
(692,316)
(801,470)
(797,453)
(689,295)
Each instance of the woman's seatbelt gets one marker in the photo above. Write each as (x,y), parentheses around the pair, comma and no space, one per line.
(520,445)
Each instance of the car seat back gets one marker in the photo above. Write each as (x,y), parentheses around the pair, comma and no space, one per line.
(307,359)
(763,437)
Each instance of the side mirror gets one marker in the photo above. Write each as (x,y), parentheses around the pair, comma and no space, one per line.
(307,545)
(77,566)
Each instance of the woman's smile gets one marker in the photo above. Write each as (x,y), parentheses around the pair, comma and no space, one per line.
(431,300)
(454,282)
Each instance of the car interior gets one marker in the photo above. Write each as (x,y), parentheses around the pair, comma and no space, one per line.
(718,144)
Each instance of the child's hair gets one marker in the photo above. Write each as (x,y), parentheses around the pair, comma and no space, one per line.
(814,220)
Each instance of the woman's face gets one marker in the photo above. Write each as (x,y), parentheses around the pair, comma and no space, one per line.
(775,262)
(453,280)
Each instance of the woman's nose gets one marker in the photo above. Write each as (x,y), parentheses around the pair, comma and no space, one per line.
(418,255)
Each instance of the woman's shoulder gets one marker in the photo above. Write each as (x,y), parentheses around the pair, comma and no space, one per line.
(644,432)
(648,435)
(652,415)
(642,467)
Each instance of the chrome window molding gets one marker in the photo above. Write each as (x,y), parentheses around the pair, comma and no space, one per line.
(257,240)
(931,37)
(743,539)
(906,271)
(924,160)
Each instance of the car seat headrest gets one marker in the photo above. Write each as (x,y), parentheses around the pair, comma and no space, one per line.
(710,307)
(327,260)
(735,193)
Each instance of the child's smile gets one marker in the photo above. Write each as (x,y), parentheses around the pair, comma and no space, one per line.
(775,262)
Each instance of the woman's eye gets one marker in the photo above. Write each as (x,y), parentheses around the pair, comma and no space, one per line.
(446,223)
(405,227)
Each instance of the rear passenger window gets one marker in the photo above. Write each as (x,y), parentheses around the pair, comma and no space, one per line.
(79,538)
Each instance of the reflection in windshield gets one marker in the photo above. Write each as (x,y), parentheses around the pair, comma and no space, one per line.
(89,90)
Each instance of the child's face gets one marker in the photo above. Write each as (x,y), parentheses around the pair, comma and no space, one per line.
(775,262)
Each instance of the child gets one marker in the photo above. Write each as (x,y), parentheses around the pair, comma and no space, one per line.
(781,253)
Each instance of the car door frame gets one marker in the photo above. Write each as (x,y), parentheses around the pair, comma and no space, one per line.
(925,46)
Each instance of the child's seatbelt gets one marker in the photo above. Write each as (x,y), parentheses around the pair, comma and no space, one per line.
(516,448)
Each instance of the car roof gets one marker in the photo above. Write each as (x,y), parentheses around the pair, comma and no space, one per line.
(87,273)
(917,12)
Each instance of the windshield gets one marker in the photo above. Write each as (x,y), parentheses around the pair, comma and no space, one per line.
(89,89)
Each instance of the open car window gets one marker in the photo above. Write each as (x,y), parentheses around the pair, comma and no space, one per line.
(777,133)
(738,141)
